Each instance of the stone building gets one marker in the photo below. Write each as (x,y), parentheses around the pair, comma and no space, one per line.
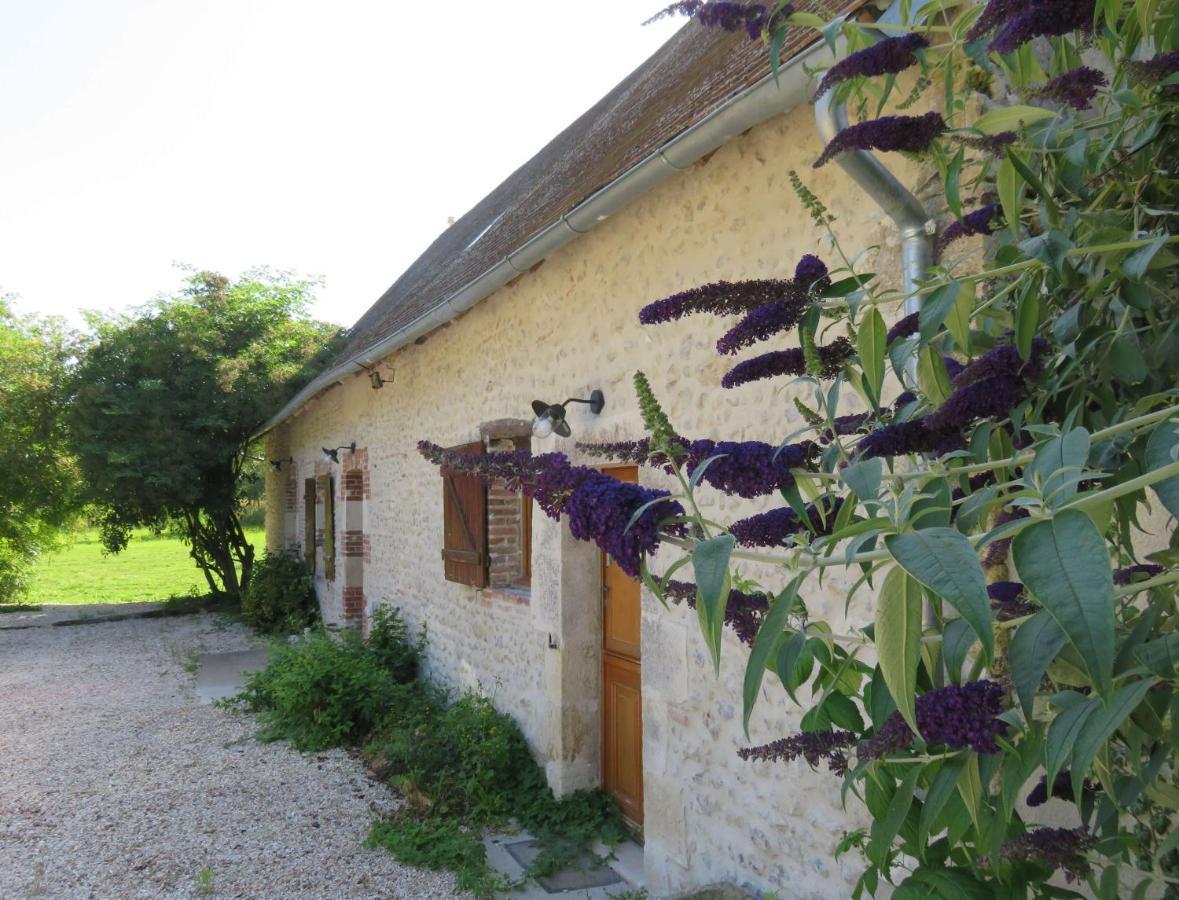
(676,178)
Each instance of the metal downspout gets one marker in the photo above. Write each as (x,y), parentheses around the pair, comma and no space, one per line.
(916,228)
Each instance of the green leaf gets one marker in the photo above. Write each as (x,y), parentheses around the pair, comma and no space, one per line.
(1027,320)
(1068,451)
(932,378)
(958,321)
(1162,449)
(1011,118)
(944,561)
(898,639)
(1010,187)
(1050,248)
(790,653)
(884,829)
(765,642)
(928,883)
(1033,649)
(935,309)
(1062,734)
(957,639)
(710,563)
(1065,564)
(1135,265)
(1161,655)
(941,789)
(872,348)
(1126,360)
(1100,726)
(953,179)
(970,789)
(863,478)
(843,712)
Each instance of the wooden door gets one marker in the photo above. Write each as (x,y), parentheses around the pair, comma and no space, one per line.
(622,698)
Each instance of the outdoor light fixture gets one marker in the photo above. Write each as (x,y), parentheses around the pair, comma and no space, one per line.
(277,464)
(375,378)
(550,417)
(333,456)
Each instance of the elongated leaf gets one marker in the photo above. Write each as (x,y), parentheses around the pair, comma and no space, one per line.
(864,478)
(1065,564)
(870,342)
(1161,656)
(710,563)
(1100,726)
(941,789)
(1066,451)
(935,309)
(898,639)
(958,321)
(1026,321)
(1010,118)
(953,176)
(957,639)
(1162,449)
(884,829)
(1135,265)
(944,561)
(1010,186)
(1062,735)
(789,653)
(1033,649)
(970,789)
(764,644)
(932,377)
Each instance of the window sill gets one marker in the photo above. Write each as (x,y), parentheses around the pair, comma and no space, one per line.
(521,596)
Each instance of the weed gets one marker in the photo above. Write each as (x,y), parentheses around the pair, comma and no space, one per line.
(192,662)
(204,882)
(440,843)
(19,607)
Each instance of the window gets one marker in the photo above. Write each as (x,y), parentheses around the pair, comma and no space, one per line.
(329,527)
(464,525)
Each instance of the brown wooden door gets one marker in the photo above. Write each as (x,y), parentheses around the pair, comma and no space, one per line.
(622,698)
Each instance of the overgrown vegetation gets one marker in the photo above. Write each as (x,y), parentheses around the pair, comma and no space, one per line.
(38,490)
(462,766)
(167,402)
(280,598)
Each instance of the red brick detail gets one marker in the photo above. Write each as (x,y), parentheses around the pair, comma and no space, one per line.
(368,549)
(353,484)
(504,539)
(353,543)
(354,602)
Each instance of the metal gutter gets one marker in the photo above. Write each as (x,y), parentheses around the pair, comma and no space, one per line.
(760,102)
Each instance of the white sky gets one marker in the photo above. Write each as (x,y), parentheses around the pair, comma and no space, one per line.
(330,137)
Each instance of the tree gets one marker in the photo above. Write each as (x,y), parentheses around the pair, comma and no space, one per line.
(39,485)
(168,400)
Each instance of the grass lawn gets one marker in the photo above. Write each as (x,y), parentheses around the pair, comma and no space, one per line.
(151,568)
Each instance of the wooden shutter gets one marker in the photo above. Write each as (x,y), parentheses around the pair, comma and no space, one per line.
(329,527)
(309,522)
(464,525)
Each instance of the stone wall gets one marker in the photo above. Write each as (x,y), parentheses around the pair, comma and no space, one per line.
(561,331)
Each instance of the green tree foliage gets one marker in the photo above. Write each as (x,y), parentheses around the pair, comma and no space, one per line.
(38,487)
(169,398)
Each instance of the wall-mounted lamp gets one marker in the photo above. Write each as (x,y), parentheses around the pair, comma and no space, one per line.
(277,464)
(375,378)
(550,417)
(333,456)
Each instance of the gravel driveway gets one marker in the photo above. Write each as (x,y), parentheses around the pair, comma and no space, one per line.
(116,782)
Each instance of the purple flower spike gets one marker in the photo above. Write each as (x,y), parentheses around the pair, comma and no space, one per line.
(810,271)
(1062,789)
(1004,360)
(813,746)
(994,144)
(1155,69)
(902,438)
(906,327)
(749,468)
(912,134)
(1007,600)
(958,716)
(989,398)
(996,13)
(788,362)
(770,529)
(744,613)
(1076,87)
(764,322)
(1131,574)
(976,222)
(882,58)
(1060,848)
(752,18)
(723,298)
(1047,18)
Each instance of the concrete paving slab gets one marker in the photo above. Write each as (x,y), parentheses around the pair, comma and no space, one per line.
(221,675)
(511,853)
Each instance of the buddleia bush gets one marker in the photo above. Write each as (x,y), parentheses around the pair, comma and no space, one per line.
(994,458)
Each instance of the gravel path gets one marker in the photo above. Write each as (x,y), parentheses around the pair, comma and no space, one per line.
(115,782)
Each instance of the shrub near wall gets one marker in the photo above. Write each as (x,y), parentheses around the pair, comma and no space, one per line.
(1023,629)
(280,598)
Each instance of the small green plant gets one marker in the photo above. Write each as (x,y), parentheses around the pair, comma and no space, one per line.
(390,643)
(440,843)
(280,598)
(204,882)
